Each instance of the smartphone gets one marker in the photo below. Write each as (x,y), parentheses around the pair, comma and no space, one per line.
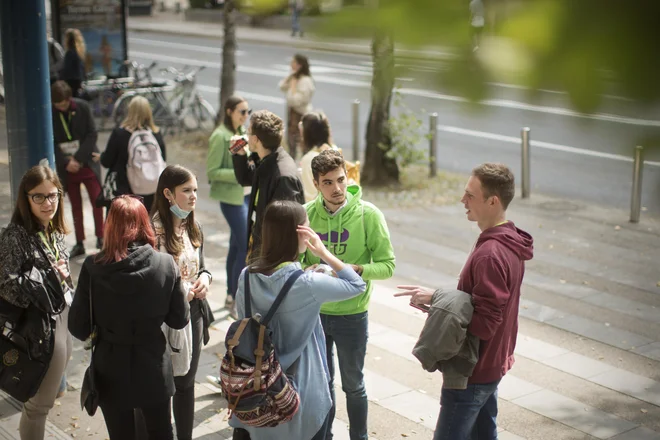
(237,143)
(423,307)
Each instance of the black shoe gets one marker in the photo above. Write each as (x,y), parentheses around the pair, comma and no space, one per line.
(99,243)
(77,250)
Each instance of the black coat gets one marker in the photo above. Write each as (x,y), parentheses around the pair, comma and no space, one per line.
(115,157)
(80,122)
(73,68)
(132,298)
(274,178)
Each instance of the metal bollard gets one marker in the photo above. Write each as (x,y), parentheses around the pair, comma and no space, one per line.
(636,202)
(433,139)
(355,113)
(526,186)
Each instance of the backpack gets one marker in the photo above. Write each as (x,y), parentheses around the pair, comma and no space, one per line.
(259,393)
(145,162)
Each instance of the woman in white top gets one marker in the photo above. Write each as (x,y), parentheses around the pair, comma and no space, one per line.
(315,133)
(299,89)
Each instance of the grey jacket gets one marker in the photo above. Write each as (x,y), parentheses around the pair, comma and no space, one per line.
(445,343)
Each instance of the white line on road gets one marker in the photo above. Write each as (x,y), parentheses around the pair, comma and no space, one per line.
(540,144)
(502,103)
(195,47)
(245,95)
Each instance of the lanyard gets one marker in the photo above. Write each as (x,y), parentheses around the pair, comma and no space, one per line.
(66,126)
(53,250)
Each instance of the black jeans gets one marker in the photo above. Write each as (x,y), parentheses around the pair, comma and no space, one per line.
(121,421)
(183,401)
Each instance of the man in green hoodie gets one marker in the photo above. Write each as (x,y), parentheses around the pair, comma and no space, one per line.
(355,231)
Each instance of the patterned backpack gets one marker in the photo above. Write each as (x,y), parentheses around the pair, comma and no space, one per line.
(259,393)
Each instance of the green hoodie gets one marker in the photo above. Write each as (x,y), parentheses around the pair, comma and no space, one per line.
(358,235)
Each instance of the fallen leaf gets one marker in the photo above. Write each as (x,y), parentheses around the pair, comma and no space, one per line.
(586,283)
(643,411)
(404,435)
(607,324)
(617,228)
(74,417)
(562,281)
(657,284)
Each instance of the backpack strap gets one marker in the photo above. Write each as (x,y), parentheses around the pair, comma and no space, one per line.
(280,297)
(247,298)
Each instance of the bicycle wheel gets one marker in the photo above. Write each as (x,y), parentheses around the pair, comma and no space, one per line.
(205,115)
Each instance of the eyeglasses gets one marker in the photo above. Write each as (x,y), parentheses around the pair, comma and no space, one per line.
(246,112)
(39,199)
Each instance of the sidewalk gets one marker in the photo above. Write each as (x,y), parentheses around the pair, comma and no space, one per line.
(588,354)
(175,24)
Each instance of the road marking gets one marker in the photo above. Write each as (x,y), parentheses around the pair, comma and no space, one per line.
(501,103)
(246,95)
(196,48)
(540,144)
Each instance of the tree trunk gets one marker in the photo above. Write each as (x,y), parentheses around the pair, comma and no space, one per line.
(227,75)
(379,169)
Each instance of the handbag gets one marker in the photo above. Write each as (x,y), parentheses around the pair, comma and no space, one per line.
(89,396)
(108,191)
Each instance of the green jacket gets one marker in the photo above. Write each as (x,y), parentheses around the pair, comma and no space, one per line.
(220,168)
(358,235)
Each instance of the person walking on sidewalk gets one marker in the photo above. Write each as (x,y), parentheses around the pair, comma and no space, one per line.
(296,7)
(134,290)
(354,231)
(73,67)
(493,275)
(298,338)
(116,155)
(270,171)
(75,136)
(180,235)
(35,237)
(233,198)
(477,22)
(55,59)
(299,89)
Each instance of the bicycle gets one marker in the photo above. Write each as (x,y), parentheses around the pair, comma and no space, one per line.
(175,105)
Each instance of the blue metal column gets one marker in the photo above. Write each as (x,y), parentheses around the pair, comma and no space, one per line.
(27,86)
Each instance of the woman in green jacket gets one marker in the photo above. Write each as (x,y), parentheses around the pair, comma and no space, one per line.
(233,197)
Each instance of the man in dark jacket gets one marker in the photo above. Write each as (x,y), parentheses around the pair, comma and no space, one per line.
(273,174)
(75,137)
(493,275)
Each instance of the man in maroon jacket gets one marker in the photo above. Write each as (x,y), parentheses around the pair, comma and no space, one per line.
(493,275)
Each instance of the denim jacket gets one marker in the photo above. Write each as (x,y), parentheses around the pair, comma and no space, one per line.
(297,333)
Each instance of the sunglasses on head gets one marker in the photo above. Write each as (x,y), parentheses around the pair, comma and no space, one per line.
(246,112)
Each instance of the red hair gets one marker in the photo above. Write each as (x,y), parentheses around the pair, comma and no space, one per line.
(128,221)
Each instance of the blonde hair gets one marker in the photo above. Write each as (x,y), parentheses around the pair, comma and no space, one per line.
(78,42)
(139,116)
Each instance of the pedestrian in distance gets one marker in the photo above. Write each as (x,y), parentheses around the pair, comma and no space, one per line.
(298,336)
(55,59)
(137,132)
(233,198)
(298,88)
(73,68)
(180,235)
(477,22)
(269,170)
(356,232)
(35,238)
(134,289)
(296,8)
(493,275)
(75,137)
(315,133)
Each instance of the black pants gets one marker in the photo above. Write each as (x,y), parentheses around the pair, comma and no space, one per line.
(183,401)
(121,421)
(75,87)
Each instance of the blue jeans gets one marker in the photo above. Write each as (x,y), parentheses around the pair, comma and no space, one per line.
(469,414)
(295,20)
(350,334)
(236,216)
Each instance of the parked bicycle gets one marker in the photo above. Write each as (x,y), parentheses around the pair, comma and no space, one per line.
(176,105)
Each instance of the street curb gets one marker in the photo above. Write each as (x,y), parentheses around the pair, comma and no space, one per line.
(352,49)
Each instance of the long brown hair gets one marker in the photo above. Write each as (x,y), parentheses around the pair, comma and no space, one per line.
(230,104)
(279,235)
(170,178)
(23,216)
(127,222)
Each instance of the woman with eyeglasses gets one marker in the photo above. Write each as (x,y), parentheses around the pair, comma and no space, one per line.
(299,89)
(233,198)
(134,289)
(34,238)
(180,235)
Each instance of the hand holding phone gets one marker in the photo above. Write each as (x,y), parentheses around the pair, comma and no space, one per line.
(237,144)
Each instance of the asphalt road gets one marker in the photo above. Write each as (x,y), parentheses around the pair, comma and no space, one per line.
(583,157)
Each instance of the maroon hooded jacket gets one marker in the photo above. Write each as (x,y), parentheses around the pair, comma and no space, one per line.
(493,275)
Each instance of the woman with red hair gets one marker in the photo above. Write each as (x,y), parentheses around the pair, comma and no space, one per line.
(134,290)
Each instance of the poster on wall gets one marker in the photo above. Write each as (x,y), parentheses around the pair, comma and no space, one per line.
(103,27)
